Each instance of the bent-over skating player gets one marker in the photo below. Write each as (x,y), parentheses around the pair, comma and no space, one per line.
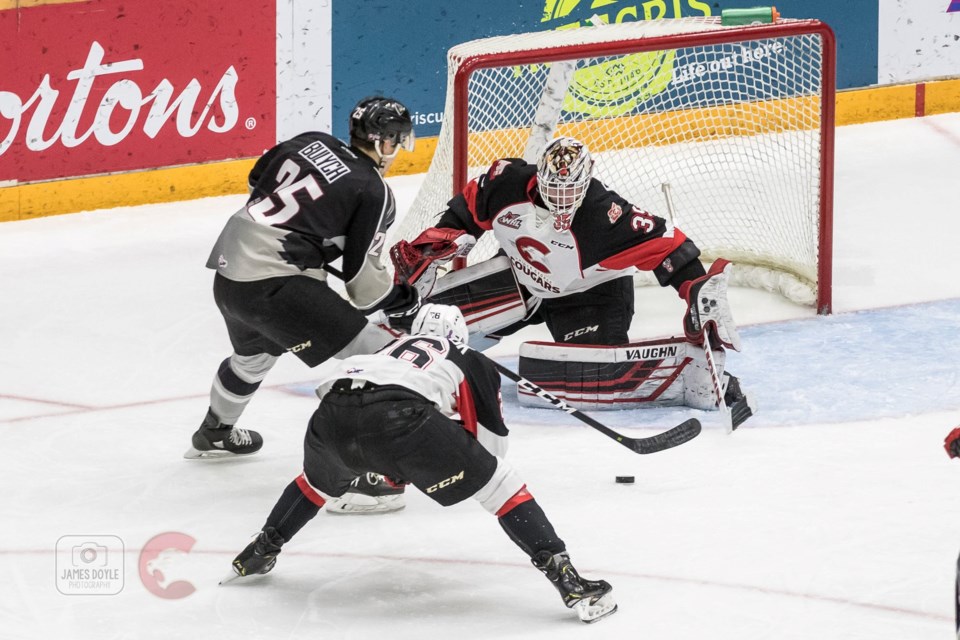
(313,200)
(424,410)
(572,246)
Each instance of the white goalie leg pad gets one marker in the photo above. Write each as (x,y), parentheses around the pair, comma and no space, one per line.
(653,373)
(504,484)
(487,294)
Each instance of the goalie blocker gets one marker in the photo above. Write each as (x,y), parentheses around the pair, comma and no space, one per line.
(665,372)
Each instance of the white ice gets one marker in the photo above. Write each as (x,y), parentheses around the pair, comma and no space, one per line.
(832,514)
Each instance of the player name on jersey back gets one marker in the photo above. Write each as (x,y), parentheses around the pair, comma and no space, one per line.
(325,161)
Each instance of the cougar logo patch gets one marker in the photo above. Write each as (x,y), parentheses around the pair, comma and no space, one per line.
(531,251)
(615,212)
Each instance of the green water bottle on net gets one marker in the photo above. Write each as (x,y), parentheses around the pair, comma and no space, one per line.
(753,15)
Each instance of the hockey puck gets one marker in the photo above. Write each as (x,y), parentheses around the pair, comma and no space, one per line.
(625,479)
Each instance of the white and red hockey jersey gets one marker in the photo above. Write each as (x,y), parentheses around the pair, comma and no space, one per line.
(607,238)
(462,383)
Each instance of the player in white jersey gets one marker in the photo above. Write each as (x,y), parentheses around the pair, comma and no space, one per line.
(573,246)
(424,410)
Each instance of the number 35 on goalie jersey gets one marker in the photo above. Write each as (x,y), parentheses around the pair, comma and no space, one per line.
(462,383)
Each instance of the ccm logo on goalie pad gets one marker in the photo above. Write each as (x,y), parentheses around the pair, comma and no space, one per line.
(445,483)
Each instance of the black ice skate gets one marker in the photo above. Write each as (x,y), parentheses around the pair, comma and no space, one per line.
(740,404)
(592,599)
(216,440)
(368,494)
(258,557)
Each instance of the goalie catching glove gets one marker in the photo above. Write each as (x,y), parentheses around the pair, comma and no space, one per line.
(707,308)
(416,262)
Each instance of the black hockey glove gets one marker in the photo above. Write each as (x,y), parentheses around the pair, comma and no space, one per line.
(403,306)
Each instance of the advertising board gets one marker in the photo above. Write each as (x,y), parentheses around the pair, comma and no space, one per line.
(105,86)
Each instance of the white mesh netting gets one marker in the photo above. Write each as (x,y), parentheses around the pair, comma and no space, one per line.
(730,121)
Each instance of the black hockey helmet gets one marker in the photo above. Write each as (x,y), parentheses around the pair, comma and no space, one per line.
(377,118)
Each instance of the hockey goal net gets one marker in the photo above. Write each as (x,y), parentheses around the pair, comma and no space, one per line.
(737,120)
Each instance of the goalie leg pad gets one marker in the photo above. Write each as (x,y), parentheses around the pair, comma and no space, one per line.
(654,373)
(487,294)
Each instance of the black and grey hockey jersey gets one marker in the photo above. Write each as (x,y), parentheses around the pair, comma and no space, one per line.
(608,237)
(313,199)
(462,383)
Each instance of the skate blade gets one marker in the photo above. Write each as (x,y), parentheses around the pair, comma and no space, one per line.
(591,611)
(230,577)
(233,576)
(385,504)
(215,454)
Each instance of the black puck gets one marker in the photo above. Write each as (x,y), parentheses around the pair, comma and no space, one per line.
(625,479)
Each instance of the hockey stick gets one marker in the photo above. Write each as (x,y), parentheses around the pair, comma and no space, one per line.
(707,350)
(683,432)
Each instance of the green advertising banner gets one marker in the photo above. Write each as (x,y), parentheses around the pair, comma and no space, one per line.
(400,48)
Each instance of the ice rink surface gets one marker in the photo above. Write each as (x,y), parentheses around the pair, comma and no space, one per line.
(832,514)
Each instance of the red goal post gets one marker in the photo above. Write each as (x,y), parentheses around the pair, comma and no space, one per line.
(738,121)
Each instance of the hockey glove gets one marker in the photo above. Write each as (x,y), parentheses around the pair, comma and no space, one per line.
(403,306)
(707,308)
(417,261)
(952,443)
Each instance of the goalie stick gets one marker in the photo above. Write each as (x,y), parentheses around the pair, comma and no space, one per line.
(707,352)
(683,432)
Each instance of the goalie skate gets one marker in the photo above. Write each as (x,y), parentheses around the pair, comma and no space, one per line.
(216,440)
(369,494)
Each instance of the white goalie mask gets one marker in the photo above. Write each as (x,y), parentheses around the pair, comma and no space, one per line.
(443,320)
(563,176)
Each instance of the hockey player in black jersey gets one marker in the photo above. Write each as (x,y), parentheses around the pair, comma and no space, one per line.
(572,246)
(424,410)
(313,200)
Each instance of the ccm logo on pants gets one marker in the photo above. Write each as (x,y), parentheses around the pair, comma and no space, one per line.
(445,483)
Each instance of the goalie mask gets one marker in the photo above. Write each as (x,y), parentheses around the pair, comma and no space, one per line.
(443,320)
(377,119)
(563,177)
